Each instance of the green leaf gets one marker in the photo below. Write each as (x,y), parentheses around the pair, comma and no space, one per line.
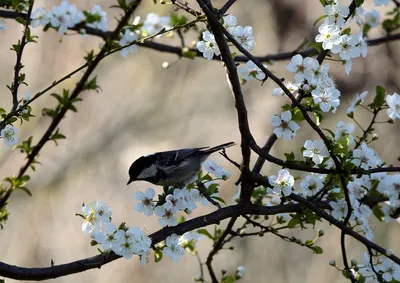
(187,53)
(346,31)
(358,2)
(378,213)
(309,243)
(158,255)
(293,222)
(20,20)
(379,99)
(26,190)
(290,156)
(319,118)
(323,2)
(228,279)
(319,19)
(205,233)
(317,250)
(219,199)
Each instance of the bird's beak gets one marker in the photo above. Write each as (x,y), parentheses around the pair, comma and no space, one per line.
(130,181)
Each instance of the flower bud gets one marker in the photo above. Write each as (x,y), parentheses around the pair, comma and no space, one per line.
(321,232)
(354,262)
(332,262)
(389,252)
(165,65)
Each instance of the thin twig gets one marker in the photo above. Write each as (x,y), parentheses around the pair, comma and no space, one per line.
(18,64)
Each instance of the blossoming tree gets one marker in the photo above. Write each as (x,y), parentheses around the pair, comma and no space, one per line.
(347,184)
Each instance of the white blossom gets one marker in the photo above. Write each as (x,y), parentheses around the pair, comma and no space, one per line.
(365,157)
(145,204)
(102,23)
(372,18)
(39,17)
(292,87)
(250,71)
(95,215)
(316,150)
(327,99)
(229,22)
(215,169)
(311,185)
(208,46)
(154,23)
(393,101)
(347,47)
(166,212)
(381,2)
(284,126)
(65,16)
(300,66)
(329,35)
(244,35)
(174,250)
(9,135)
(2,25)
(282,183)
(344,130)
(357,100)
(336,14)
(240,272)
(339,208)
(127,37)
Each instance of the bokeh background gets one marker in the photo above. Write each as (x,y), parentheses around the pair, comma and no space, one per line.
(144,108)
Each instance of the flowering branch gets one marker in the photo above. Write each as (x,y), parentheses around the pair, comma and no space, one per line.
(78,89)
(18,66)
(179,52)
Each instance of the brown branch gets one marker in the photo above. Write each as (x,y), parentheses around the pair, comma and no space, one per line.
(80,86)
(234,84)
(226,7)
(178,50)
(36,274)
(217,247)
(18,64)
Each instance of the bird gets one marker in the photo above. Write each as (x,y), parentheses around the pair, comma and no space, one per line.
(172,168)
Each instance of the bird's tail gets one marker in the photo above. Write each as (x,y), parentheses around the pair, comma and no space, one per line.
(219,147)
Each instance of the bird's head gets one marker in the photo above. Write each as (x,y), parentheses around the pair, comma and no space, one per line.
(144,168)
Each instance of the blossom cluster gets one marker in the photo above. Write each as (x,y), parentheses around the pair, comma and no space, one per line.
(334,36)
(126,241)
(66,16)
(180,199)
(121,240)
(244,35)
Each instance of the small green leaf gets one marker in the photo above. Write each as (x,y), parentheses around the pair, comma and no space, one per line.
(20,20)
(158,255)
(319,118)
(378,213)
(293,222)
(379,99)
(205,233)
(317,250)
(319,19)
(219,199)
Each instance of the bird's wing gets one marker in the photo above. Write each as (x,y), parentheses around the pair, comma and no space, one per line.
(170,159)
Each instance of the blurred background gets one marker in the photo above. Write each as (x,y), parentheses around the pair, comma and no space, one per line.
(144,108)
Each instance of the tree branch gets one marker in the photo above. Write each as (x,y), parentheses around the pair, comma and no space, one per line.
(18,64)
(80,86)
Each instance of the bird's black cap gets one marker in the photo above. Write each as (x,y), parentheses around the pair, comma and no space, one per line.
(139,165)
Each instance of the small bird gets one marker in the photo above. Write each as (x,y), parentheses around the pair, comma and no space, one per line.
(172,168)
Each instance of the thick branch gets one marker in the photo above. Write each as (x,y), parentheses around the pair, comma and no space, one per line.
(36,274)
